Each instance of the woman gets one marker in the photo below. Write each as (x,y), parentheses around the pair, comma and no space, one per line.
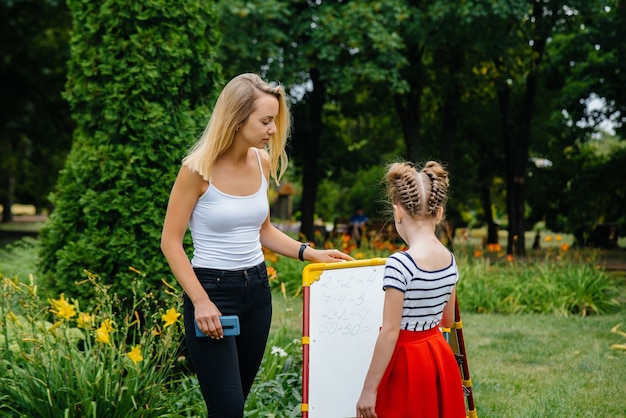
(220,193)
(413,372)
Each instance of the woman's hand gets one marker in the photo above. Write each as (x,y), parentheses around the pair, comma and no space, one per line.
(207,316)
(325,256)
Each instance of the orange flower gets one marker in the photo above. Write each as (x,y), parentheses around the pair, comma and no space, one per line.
(509,258)
(564,247)
(270,256)
(271,273)
(548,238)
(558,238)
(478,253)
(494,247)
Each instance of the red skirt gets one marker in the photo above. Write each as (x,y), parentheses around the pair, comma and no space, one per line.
(422,379)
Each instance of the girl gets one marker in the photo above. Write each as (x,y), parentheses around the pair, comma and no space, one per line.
(413,372)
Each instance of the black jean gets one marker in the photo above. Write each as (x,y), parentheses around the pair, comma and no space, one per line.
(226,368)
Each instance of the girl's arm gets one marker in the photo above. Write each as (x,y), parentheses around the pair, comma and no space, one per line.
(448,311)
(383,350)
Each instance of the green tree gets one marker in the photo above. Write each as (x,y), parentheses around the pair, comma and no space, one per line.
(140,77)
(585,181)
(35,127)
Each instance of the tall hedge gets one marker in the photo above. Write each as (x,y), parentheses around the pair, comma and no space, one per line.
(141,76)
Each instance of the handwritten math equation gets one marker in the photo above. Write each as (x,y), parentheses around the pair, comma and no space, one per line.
(346,302)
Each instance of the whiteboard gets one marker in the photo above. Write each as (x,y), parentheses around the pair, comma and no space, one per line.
(343,311)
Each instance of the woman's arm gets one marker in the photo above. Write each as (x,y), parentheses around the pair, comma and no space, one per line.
(275,240)
(183,197)
(383,350)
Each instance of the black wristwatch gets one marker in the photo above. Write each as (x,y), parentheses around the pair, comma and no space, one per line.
(302,248)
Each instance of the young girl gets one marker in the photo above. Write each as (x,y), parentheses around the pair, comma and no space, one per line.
(413,372)
(221,194)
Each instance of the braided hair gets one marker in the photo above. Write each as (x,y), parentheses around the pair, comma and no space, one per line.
(421,193)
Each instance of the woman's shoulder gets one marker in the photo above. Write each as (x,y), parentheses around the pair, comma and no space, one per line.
(191,180)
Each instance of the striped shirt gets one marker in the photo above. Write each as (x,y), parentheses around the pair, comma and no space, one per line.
(425,292)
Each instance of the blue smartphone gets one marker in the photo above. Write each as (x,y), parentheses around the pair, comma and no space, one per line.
(230,326)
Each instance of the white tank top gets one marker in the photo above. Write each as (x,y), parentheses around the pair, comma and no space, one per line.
(225,229)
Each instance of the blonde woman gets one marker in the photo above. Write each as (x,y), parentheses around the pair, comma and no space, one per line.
(413,372)
(221,195)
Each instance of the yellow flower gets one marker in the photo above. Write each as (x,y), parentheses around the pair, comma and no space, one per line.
(170,317)
(85,320)
(135,354)
(107,325)
(103,334)
(558,238)
(62,308)
(548,238)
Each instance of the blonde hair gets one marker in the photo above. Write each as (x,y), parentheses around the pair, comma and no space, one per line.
(233,107)
(421,193)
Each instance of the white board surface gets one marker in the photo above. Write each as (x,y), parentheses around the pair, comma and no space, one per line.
(345,315)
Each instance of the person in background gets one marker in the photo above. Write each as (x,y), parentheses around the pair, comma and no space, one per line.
(413,371)
(221,194)
(357,225)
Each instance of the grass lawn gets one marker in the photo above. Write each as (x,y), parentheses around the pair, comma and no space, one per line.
(531,365)
(544,366)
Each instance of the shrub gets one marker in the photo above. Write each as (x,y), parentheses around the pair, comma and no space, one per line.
(560,285)
(278,385)
(139,80)
(548,286)
(61,360)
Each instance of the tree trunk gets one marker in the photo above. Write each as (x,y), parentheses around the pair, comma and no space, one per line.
(449,118)
(485,198)
(310,137)
(509,142)
(408,108)
(450,114)
(7,197)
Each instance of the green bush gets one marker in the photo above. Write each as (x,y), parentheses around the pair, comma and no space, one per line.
(60,360)
(278,385)
(554,285)
(536,286)
(140,78)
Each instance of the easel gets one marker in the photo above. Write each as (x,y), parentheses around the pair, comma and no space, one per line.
(456,341)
